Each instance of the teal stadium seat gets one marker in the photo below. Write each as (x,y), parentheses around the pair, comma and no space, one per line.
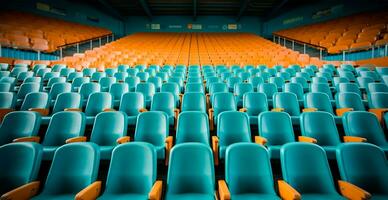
(132,104)
(193,126)
(254,103)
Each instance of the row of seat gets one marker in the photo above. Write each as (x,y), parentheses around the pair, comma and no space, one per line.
(32,32)
(275,129)
(359,31)
(248,174)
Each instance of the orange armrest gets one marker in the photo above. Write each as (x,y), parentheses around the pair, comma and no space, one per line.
(260,140)
(90,192)
(73,109)
(223,190)
(211,111)
(109,109)
(307,139)
(23,192)
(142,110)
(277,109)
(41,111)
(287,192)
(169,142)
(124,139)
(28,139)
(354,139)
(379,112)
(341,111)
(215,149)
(76,139)
(309,110)
(176,111)
(351,191)
(156,191)
(243,110)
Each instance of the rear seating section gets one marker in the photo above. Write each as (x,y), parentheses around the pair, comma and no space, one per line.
(33,32)
(194,131)
(355,32)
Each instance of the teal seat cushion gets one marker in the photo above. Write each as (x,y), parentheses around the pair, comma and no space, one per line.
(189,196)
(124,196)
(106,152)
(160,152)
(322,197)
(222,152)
(251,196)
(48,152)
(132,120)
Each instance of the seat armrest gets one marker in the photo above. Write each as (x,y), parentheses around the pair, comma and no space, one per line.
(354,139)
(3,112)
(309,110)
(379,112)
(123,139)
(90,192)
(307,139)
(223,190)
(260,140)
(176,114)
(23,192)
(156,191)
(76,139)
(211,118)
(73,109)
(243,110)
(351,191)
(109,109)
(169,143)
(41,111)
(215,149)
(141,110)
(277,110)
(287,192)
(28,139)
(342,111)
(180,97)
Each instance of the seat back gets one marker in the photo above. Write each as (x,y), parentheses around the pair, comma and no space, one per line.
(348,87)
(26,88)
(64,125)
(194,101)
(378,100)
(255,103)
(318,100)
(276,127)
(305,168)
(321,87)
(269,89)
(163,101)
(20,163)
(35,100)
(7,100)
(58,88)
(132,82)
(288,101)
(223,101)
(248,169)
(80,161)
(295,88)
(131,103)
(364,165)
(147,89)
(349,100)
(67,100)
(87,89)
(186,132)
(242,88)
(117,90)
(152,127)
(98,102)
(108,127)
(191,176)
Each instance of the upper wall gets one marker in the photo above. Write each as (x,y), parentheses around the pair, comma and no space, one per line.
(180,24)
(318,12)
(69,11)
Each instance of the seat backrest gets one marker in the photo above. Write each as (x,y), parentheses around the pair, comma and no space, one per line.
(131,103)
(248,169)
(67,100)
(255,103)
(98,102)
(288,101)
(348,87)
(377,87)
(321,126)
(194,175)
(268,89)
(305,168)
(7,100)
(278,81)
(106,82)
(194,87)
(223,101)
(276,127)
(157,81)
(194,101)
(152,127)
(80,161)
(5,87)
(233,127)
(378,100)
(163,101)
(364,124)
(35,100)
(26,88)
(364,165)
(295,88)
(256,81)
(186,132)
(64,125)
(242,88)
(147,89)
(87,89)
(19,124)
(117,90)
(20,163)
(349,100)
(78,81)
(108,127)
(132,169)
(318,100)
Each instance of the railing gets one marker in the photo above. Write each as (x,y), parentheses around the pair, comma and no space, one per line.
(62,51)
(346,54)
